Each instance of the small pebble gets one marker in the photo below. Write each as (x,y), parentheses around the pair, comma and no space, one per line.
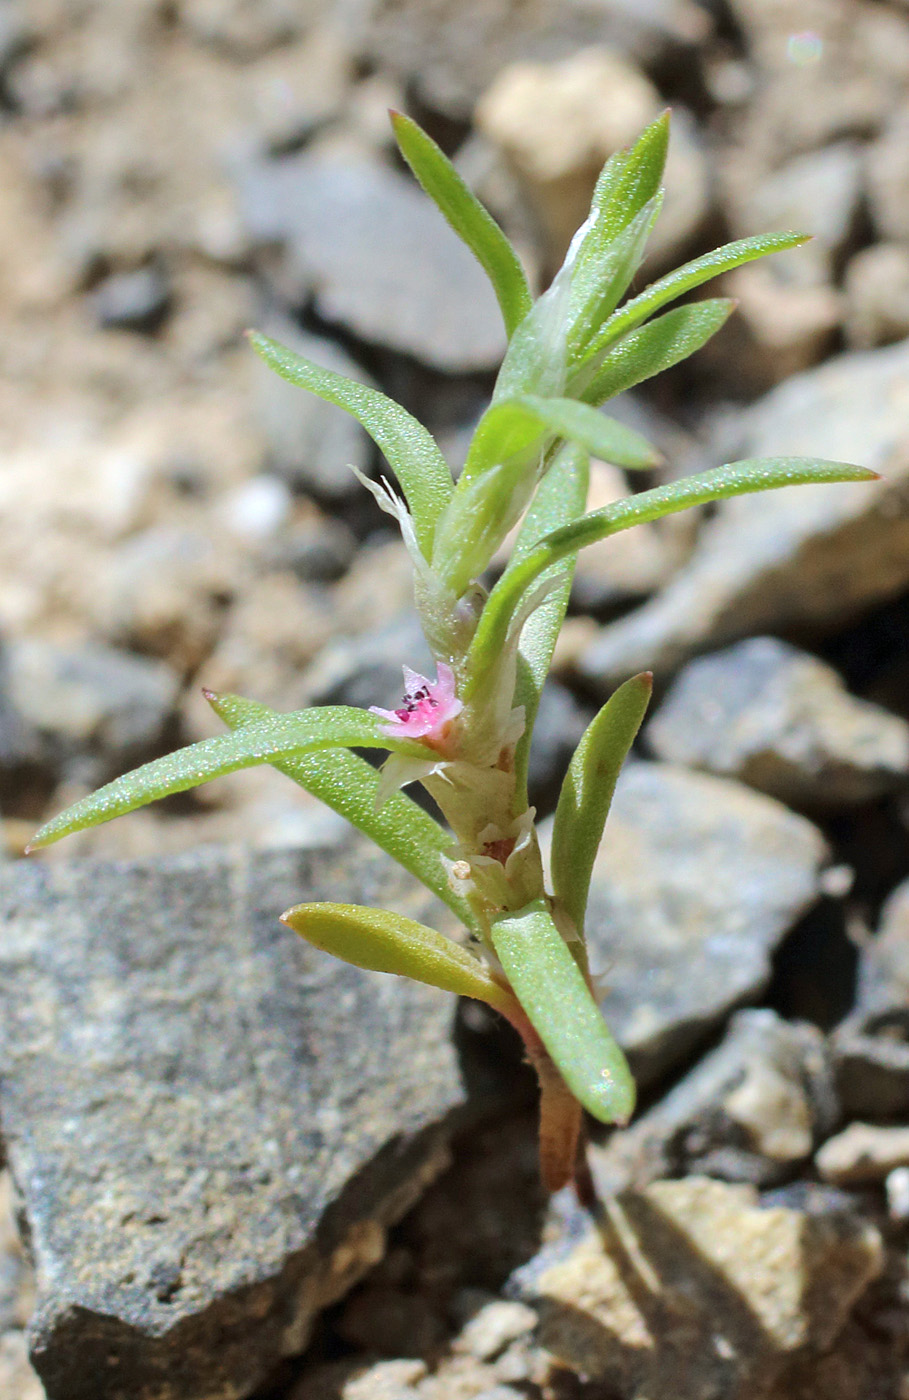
(863,1153)
(489,1332)
(897,1186)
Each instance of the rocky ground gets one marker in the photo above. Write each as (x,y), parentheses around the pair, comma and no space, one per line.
(238,1170)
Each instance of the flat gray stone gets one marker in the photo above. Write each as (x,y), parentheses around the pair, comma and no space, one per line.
(94,705)
(697,882)
(809,555)
(209,1123)
(782,722)
(377,257)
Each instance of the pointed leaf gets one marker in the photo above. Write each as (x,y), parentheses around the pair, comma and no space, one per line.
(733,479)
(467,216)
(587,791)
(560,498)
(381,941)
(602,277)
(349,785)
(281,736)
(686,278)
(653,348)
(630,180)
(409,449)
(551,989)
(603,437)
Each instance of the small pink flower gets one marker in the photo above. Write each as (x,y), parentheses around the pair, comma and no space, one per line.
(428,709)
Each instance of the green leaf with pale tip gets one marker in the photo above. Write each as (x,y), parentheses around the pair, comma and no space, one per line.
(560,498)
(349,785)
(587,790)
(467,216)
(733,479)
(550,986)
(686,278)
(653,348)
(602,276)
(381,941)
(280,736)
(410,450)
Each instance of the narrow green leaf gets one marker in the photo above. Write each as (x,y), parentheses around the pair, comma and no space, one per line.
(602,276)
(586,794)
(686,278)
(410,450)
(281,736)
(733,479)
(560,498)
(349,785)
(653,348)
(551,989)
(601,436)
(381,941)
(631,180)
(467,216)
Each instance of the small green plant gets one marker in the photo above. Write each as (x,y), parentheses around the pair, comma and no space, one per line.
(465,733)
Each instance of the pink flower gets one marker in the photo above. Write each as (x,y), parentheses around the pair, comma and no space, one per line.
(428,709)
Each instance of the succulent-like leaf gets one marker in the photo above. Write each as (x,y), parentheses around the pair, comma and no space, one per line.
(410,450)
(468,217)
(279,737)
(629,180)
(601,278)
(512,444)
(560,498)
(733,479)
(686,278)
(551,988)
(601,436)
(654,347)
(587,790)
(349,785)
(381,941)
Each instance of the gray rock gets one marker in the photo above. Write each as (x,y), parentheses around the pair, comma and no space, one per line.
(696,884)
(864,1154)
(312,444)
(802,556)
(871,1047)
(782,722)
(377,257)
(245,29)
(752,1110)
(690,1289)
(210,1124)
(90,703)
(888,179)
(877,295)
(818,192)
(132,301)
(366,670)
(451,51)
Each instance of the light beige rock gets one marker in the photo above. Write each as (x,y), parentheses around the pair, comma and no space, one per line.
(557,124)
(693,1290)
(863,1153)
(490,1331)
